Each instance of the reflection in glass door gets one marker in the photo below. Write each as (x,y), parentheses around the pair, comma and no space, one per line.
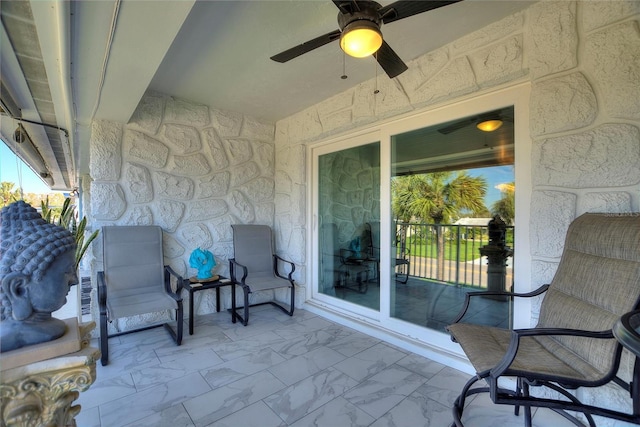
(447,183)
(348,209)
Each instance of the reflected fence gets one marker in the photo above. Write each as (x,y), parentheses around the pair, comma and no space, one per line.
(449,253)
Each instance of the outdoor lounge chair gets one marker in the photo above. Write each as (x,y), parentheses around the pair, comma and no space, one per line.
(597,281)
(135,281)
(255,268)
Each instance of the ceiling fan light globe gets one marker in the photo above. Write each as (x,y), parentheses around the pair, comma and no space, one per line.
(489,125)
(360,39)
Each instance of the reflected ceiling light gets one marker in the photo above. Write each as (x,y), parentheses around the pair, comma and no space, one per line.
(489,125)
(361,38)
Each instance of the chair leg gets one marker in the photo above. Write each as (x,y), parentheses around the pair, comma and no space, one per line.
(522,390)
(179,323)
(293,299)
(246,305)
(104,340)
(458,404)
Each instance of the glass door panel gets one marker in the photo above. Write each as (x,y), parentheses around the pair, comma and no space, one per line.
(348,208)
(447,183)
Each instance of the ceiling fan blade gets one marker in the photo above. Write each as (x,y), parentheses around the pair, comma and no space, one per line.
(390,61)
(345,6)
(405,8)
(457,125)
(305,47)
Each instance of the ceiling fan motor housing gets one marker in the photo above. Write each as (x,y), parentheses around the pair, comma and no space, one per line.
(367,10)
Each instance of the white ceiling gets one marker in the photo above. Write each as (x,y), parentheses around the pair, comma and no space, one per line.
(103,55)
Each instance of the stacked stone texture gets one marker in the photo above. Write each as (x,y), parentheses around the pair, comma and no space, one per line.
(190,169)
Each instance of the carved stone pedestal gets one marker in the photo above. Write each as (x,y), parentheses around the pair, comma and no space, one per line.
(42,393)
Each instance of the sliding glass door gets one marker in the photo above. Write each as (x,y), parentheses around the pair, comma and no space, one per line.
(348,211)
(402,218)
(450,183)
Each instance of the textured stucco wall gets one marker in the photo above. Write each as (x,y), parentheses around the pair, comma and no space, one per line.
(583,62)
(188,168)
(195,170)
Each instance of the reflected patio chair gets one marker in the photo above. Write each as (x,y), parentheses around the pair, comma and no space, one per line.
(398,250)
(355,267)
(330,261)
(255,267)
(572,346)
(135,281)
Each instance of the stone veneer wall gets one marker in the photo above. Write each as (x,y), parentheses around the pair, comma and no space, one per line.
(351,195)
(190,169)
(583,61)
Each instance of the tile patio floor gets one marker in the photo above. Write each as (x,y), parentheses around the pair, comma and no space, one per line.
(278,371)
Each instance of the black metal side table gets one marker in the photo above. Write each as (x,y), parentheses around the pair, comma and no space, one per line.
(627,331)
(194,287)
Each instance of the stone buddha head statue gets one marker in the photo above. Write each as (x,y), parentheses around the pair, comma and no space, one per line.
(37,268)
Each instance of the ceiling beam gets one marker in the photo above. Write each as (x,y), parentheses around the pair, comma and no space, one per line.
(143,33)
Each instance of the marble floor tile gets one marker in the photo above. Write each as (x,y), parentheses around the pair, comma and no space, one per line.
(223,401)
(254,415)
(243,347)
(88,417)
(300,367)
(445,386)
(338,412)
(173,416)
(294,330)
(240,367)
(370,361)
(302,344)
(301,398)
(279,371)
(384,390)
(420,365)
(353,343)
(147,402)
(107,390)
(418,410)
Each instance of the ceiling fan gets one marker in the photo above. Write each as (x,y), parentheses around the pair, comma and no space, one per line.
(363,18)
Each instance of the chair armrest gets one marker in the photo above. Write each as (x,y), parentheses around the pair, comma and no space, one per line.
(277,258)
(232,271)
(517,334)
(168,272)
(102,292)
(467,298)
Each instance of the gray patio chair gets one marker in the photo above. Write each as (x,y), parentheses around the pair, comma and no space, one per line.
(597,281)
(255,267)
(135,281)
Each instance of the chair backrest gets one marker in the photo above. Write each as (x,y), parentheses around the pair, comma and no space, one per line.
(133,257)
(372,239)
(329,239)
(598,280)
(253,247)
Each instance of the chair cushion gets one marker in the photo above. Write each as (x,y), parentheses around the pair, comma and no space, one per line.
(486,346)
(138,301)
(265,281)
(597,281)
